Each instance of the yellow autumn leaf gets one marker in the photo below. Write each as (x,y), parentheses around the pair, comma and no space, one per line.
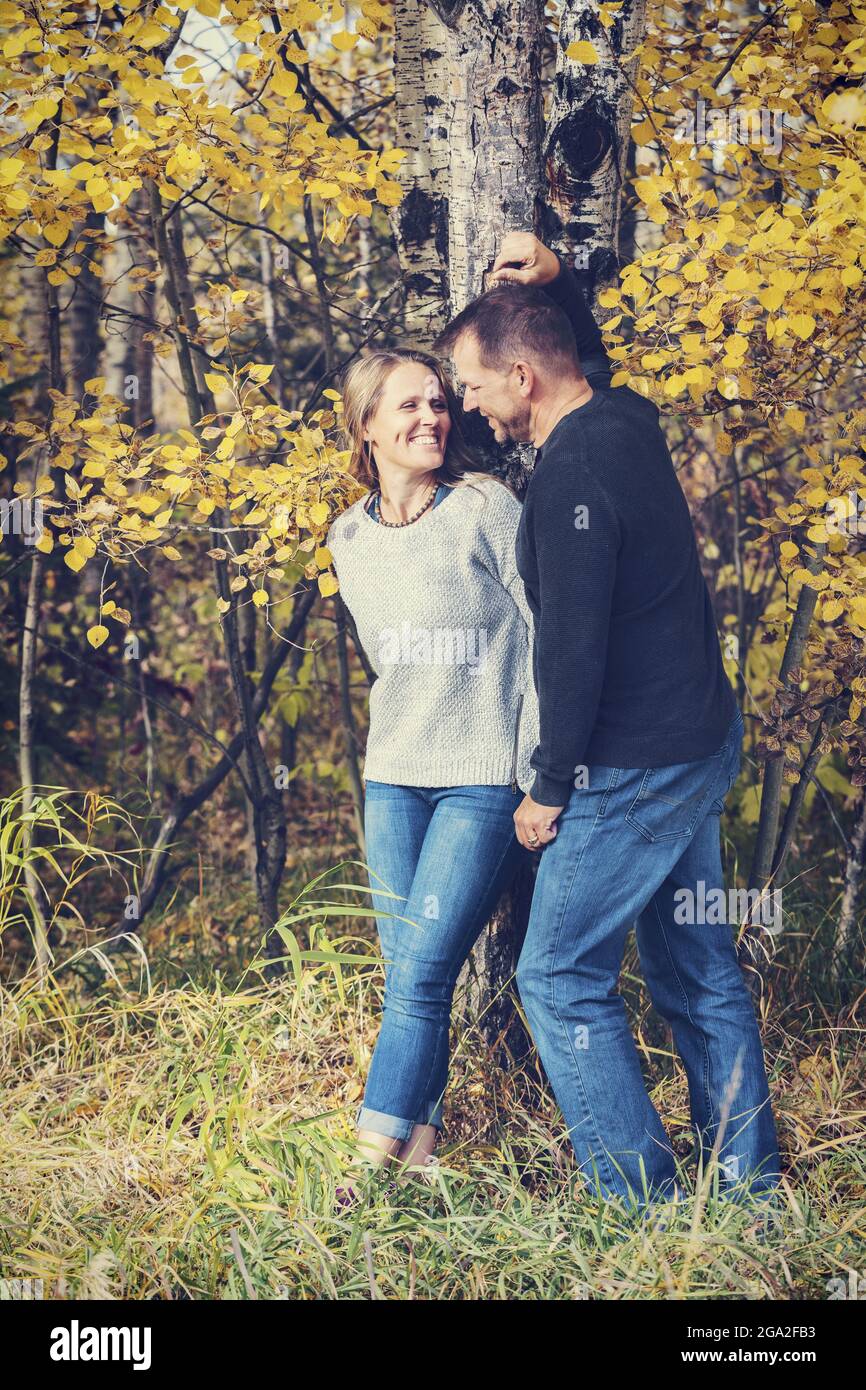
(644,132)
(666,284)
(97,635)
(801,324)
(9,170)
(260,598)
(56,233)
(149,35)
(772,299)
(284,83)
(736,347)
(327,585)
(388,193)
(319,513)
(390,160)
(738,279)
(582,52)
(845,108)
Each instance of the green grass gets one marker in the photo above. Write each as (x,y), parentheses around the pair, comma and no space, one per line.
(183,1140)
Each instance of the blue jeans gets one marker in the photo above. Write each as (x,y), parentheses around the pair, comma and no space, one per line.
(627,843)
(439,858)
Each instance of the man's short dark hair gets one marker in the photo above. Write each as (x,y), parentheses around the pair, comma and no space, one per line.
(511,322)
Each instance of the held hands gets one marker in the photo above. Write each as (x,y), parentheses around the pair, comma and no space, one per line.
(534,824)
(524,260)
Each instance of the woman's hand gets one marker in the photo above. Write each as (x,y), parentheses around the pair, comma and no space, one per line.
(534,824)
(524,260)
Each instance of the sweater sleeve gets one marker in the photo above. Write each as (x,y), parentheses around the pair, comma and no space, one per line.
(566,294)
(497,537)
(575,533)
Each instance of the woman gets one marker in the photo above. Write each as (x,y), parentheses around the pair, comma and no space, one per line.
(426,567)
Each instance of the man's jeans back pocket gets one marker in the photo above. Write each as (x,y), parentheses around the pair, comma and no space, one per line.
(672,799)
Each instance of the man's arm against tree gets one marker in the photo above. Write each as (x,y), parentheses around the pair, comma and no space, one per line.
(524,260)
(566,294)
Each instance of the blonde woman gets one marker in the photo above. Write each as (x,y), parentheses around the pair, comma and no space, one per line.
(426,564)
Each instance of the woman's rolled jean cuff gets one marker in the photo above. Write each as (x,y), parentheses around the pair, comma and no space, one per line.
(392,1126)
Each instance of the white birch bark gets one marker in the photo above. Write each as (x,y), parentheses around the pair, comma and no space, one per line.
(846,932)
(469,114)
(587,139)
(422,116)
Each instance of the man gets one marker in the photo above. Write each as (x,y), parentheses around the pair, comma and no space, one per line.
(639,743)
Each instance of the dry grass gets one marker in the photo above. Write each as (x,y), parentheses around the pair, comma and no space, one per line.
(170,1141)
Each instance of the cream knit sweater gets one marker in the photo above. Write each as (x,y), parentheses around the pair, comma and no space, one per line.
(441,614)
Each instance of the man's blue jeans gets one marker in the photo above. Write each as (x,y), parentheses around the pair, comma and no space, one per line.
(626,844)
(439,858)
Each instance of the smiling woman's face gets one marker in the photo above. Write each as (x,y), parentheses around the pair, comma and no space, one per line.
(409,428)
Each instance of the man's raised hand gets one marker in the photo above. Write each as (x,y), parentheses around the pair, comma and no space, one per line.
(524,260)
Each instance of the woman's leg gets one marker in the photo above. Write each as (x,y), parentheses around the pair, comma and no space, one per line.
(469,851)
(396,820)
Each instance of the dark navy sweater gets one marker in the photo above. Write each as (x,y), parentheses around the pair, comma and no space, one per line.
(626,660)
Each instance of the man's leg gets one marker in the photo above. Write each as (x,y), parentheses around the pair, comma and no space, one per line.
(617,841)
(695,981)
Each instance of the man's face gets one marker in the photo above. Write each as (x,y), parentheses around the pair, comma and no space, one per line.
(495,394)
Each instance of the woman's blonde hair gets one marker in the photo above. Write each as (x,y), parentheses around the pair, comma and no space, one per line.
(362,387)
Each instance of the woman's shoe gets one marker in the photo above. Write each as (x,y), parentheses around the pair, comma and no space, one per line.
(424,1172)
(348,1195)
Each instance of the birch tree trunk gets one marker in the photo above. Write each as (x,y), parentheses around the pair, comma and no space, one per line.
(587,140)
(470,114)
(422,114)
(469,111)
(51,380)
(845,940)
